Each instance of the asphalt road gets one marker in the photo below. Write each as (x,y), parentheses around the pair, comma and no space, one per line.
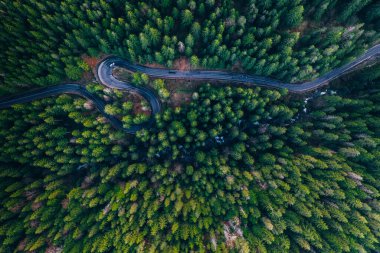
(231,77)
(105,77)
(75,89)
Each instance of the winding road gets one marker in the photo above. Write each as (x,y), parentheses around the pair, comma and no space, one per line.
(105,76)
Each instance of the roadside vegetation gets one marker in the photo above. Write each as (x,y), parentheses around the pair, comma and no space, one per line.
(130,108)
(238,169)
(42,41)
(222,168)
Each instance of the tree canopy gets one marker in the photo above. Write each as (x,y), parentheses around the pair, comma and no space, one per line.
(235,169)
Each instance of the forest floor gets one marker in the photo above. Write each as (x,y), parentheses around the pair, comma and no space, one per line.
(182,64)
(302,28)
(92,62)
(122,74)
(180,90)
(138,105)
(155,65)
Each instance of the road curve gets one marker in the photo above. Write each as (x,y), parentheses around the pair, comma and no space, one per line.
(105,77)
(105,70)
(68,89)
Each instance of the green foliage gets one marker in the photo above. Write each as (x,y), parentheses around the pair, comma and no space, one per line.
(159,86)
(73,72)
(42,42)
(238,169)
(294,17)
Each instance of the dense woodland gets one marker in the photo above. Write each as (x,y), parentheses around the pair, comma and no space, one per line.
(239,169)
(42,41)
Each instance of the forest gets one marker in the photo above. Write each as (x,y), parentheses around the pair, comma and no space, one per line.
(43,42)
(236,169)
